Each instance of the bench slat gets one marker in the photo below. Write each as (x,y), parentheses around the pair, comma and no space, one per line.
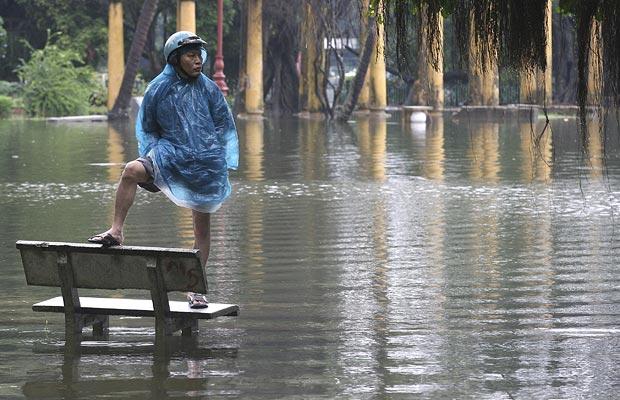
(121,267)
(137,308)
(99,249)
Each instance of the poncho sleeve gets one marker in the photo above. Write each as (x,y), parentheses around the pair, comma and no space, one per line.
(147,128)
(225,127)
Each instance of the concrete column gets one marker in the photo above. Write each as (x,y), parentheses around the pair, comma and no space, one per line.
(431,79)
(483,74)
(364,96)
(310,101)
(536,86)
(186,15)
(254,59)
(116,51)
(378,97)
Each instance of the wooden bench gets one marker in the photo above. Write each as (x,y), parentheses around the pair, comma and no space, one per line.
(73,266)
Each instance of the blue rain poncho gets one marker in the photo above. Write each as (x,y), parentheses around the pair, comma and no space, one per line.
(186,128)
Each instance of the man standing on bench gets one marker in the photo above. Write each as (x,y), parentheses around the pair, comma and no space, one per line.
(187,141)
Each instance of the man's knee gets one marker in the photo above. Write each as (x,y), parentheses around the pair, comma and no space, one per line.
(135,172)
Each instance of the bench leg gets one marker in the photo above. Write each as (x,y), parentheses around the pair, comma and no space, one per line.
(74,324)
(191,329)
(168,326)
(101,326)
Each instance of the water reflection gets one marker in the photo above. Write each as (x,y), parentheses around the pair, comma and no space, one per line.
(312,150)
(371,139)
(594,149)
(116,154)
(141,359)
(252,149)
(434,149)
(371,260)
(537,152)
(484,151)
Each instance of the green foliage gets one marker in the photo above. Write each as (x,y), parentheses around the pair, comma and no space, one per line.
(82,23)
(139,86)
(6,103)
(55,82)
(567,6)
(11,89)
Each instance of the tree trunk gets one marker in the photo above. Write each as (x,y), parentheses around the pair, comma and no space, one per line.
(147,13)
(564,65)
(282,83)
(343,113)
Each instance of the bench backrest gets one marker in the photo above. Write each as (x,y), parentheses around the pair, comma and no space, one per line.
(122,267)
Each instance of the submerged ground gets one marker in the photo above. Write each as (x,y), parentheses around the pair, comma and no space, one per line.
(373,260)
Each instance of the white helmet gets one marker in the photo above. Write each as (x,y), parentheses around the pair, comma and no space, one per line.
(182,39)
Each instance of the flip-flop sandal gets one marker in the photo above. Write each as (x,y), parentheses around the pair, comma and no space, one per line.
(197,300)
(106,240)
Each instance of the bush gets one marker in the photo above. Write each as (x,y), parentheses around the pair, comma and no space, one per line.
(6,104)
(11,89)
(55,82)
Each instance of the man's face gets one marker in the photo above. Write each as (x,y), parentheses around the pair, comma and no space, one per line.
(191,63)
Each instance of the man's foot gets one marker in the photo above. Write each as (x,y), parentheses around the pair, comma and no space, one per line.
(197,300)
(105,239)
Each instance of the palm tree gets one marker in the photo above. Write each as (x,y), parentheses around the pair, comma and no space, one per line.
(343,113)
(147,13)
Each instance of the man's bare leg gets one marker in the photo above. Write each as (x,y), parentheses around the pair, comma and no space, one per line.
(202,234)
(133,174)
(202,242)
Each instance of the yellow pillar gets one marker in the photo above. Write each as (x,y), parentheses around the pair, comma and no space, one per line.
(116,51)
(254,59)
(186,15)
(431,79)
(535,86)
(364,96)
(483,73)
(378,97)
(310,101)
(548,74)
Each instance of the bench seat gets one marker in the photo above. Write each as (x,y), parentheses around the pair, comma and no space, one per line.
(137,308)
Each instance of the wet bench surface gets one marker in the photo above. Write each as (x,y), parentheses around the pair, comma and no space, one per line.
(73,266)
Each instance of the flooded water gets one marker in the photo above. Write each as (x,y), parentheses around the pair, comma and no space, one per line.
(460,259)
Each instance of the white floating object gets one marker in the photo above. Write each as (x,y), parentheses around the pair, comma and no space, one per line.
(418,117)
